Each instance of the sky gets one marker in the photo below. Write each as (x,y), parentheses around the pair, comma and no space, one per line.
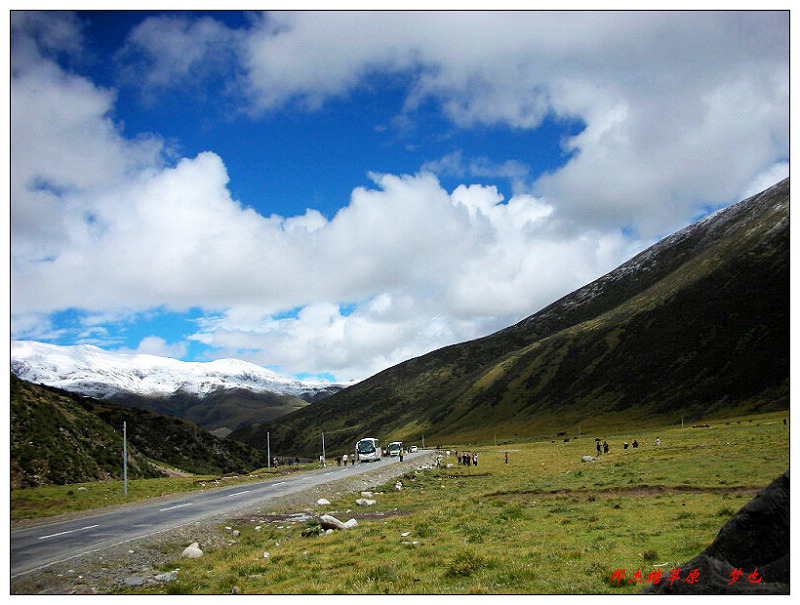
(330,194)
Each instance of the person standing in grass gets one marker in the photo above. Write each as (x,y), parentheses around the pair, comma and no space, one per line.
(605,447)
(506,457)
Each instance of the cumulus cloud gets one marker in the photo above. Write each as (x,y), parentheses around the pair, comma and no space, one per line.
(680,111)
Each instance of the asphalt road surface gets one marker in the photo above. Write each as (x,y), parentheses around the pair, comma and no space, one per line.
(41,546)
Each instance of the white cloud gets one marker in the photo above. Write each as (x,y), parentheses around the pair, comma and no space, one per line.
(176,51)
(681,111)
(155,345)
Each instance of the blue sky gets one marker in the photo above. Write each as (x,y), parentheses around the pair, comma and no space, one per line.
(328,194)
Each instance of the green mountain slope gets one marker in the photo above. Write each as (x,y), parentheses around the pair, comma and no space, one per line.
(220,410)
(696,325)
(59,437)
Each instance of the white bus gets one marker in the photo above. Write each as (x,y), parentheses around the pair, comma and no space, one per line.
(394,448)
(368,449)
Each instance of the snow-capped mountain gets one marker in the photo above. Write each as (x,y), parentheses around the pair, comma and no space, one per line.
(93,371)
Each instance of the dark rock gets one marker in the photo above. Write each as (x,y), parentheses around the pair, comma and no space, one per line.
(755,538)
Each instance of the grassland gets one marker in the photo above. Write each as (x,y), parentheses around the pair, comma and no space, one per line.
(543,523)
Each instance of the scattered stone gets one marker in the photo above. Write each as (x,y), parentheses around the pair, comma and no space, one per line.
(587,459)
(330,522)
(134,581)
(192,551)
(170,576)
(365,502)
(266,555)
(323,502)
(405,534)
(366,494)
(236,590)
(398,486)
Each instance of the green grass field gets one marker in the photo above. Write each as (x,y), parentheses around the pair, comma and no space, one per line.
(545,523)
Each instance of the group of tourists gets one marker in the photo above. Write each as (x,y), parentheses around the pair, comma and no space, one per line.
(467,459)
(342,460)
(602,448)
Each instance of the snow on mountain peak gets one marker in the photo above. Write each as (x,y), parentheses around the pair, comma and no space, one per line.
(94,371)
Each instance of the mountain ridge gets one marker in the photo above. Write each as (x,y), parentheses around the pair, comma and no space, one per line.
(218,395)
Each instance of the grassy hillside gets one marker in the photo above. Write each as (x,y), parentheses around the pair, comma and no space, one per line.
(695,327)
(221,409)
(59,437)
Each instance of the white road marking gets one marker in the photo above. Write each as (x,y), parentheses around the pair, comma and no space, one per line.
(247,491)
(67,532)
(174,507)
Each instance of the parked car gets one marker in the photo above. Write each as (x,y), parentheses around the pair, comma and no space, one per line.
(412,449)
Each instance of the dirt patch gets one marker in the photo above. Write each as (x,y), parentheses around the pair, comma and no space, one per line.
(634,490)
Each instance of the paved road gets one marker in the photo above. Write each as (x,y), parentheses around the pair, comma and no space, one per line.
(40,546)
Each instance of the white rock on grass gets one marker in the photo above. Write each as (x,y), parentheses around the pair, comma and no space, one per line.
(323,502)
(365,502)
(330,522)
(587,459)
(192,551)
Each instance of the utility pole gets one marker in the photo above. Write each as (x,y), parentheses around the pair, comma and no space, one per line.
(269,458)
(124,457)
(323,448)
